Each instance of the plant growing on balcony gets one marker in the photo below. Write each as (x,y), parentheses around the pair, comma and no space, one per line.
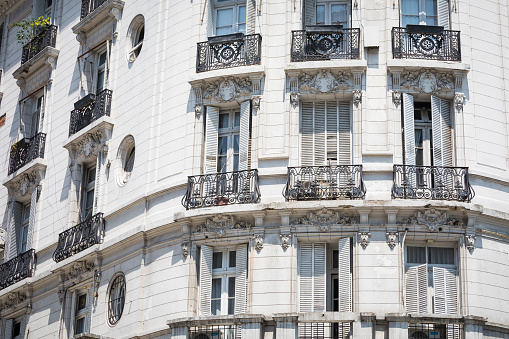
(30,28)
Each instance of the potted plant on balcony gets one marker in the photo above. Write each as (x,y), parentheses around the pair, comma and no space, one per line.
(30,28)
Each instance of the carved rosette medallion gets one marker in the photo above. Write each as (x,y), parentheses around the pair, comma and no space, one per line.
(432,219)
(324,219)
(222,224)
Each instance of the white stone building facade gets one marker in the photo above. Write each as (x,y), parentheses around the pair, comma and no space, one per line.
(219,169)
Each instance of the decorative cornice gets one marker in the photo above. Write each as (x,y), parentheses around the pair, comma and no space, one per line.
(391,239)
(324,219)
(325,82)
(14,299)
(432,219)
(222,224)
(364,236)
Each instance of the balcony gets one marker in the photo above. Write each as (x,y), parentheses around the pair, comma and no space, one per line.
(227,51)
(17,269)
(324,183)
(26,150)
(325,330)
(89,109)
(325,43)
(47,38)
(425,42)
(88,6)
(218,189)
(79,237)
(431,182)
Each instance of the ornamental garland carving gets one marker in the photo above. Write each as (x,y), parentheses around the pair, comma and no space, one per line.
(228,89)
(14,299)
(324,219)
(325,82)
(90,145)
(27,183)
(427,81)
(432,219)
(222,224)
(78,269)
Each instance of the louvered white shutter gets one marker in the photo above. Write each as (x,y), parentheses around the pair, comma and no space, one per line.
(344,129)
(209,13)
(445,113)
(416,284)
(307,134)
(73,312)
(23,326)
(443,13)
(409,128)
(436,119)
(445,290)
(442,143)
(205,279)
(251,16)
(31,220)
(344,275)
(332,122)
(312,277)
(241,279)
(8,328)
(34,128)
(309,12)
(212,126)
(320,136)
(245,114)
(15,230)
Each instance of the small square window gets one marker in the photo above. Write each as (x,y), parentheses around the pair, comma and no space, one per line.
(217,260)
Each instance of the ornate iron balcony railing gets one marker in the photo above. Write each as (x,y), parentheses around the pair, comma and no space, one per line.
(324,183)
(88,6)
(47,38)
(317,45)
(240,187)
(17,269)
(333,330)
(229,51)
(26,150)
(423,43)
(432,182)
(89,109)
(79,237)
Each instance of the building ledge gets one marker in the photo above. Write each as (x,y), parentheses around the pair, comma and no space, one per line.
(241,71)
(395,64)
(17,180)
(45,58)
(335,64)
(104,123)
(99,16)
(235,319)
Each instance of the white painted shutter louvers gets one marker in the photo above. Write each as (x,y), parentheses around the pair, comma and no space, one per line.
(443,13)
(205,280)
(409,128)
(437,130)
(15,230)
(245,114)
(212,126)
(344,129)
(416,284)
(344,275)
(31,222)
(251,17)
(241,279)
(312,277)
(307,134)
(8,328)
(309,12)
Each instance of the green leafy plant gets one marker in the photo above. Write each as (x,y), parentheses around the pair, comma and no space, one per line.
(30,28)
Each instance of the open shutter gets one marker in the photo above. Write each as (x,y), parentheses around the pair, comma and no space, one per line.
(437,123)
(319,275)
(31,221)
(23,326)
(209,12)
(88,319)
(332,132)
(345,142)
(15,230)
(320,135)
(309,12)
(416,284)
(312,277)
(34,128)
(443,13)
(211,139)
(241,279)
(205,279)
(73,312)
(344,275)
(87,75)
(251,16)
(307,134)
(445,291)
(409,128)
(442,143)
(8,328)
(245,114)
(445,113)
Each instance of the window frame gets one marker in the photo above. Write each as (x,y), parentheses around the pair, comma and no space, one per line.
(114,316)
(81,314)
(235,5)
(87,187)
(230,133)
(24,228)
(225,273)
(421,13)
(328,12)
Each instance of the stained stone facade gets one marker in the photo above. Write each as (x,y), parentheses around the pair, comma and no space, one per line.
(316,169)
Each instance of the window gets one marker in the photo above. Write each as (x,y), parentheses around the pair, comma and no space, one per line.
(101,72)
(116,299)
(325,133)
(125,160)
(223,279)
(431,280)
(94,70)
(16,329)
(23,234)
(87,202)
(80,313)
(227,139)
(20,234)
(32,110)
(230,17)
(425,12)
(136,34)
(333,13)
(48,4)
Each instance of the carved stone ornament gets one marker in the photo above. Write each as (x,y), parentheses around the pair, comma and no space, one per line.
(78,269)
(392,238)
(27,183)
(285,241)
(14,299)
(97,280)
(228,89)
(198,110)
(185,249)
(258,239)
(3,237)
(324,219)
(364,239)
(432,219)
(222,224)
(61,294)
(357,97)
(396,97)
(459,99)
(470,241)
(325,82)
(255,101)
(427,81)
(294,99)
(29,308)
(90,145)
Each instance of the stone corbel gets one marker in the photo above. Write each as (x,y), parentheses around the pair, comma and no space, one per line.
(357,79)
(82,38)
(391,216)
(21,82)
(364,239)
(293,81)
(396,97)
(357,96)
(51,61)
(364,216)
(259,218)
(256,80)
(459,75)
(115,13)
(285,240)
(294,99)
(459,99)
(97,282)
(255,102)
(198,110)
(392,239)
(185,248)
(258,242)
(470,242)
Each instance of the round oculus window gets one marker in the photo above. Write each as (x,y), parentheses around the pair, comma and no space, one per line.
(135,34)
(116,299)
(125,160)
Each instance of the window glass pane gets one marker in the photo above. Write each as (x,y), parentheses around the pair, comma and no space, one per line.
(431,7)
(233,259)
(237,119)
(410,7)
(335,294)
(320,15)
(236,143)
(431,20)
(216,288)
(416,255)
(217,260)
(16,329)
(335,259)
(241,15)
(102,59)
(242,28)
(221,164)
(223,120)
(216,307)
(26,213)
(338,14)
(222,146)
(100,81)
(231,287)
(89,200)
(91,175)
(231,306)
(441,255)
(236,162)
(79,327)
(409,20)
(418,137)
(82,302)
(224,21)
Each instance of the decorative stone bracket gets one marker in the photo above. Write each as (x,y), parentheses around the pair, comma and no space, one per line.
(285,240)
(258,242)
(324,219)
(364,237)
(185,249)
(470,242)
(222,224)
(392,239)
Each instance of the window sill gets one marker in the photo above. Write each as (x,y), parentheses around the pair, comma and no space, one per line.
(99,16)
(37,62)
(421,64)
(216,320)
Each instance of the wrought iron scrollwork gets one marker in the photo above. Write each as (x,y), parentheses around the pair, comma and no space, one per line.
(47,38)
(343,44)
(242,51)
(444,45)
(240,187)
(432,182)
(17,269)
(90,111)
(26,150)
(79,237)
(324,183)
(88,6)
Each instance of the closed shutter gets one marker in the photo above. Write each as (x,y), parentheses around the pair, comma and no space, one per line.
(307,134)
(344,129)
(309,12)
(320,136)
(241,279)
(332,122)
(344,275)
(15,230)
(251,16)
(443,13)
(245,114)
(445,290)
(409,128)
(416,284)
(8,328)
(31,222)
(73,312)
(312,277)
(205,279)
(212,126)
(23,326)
(209,12)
